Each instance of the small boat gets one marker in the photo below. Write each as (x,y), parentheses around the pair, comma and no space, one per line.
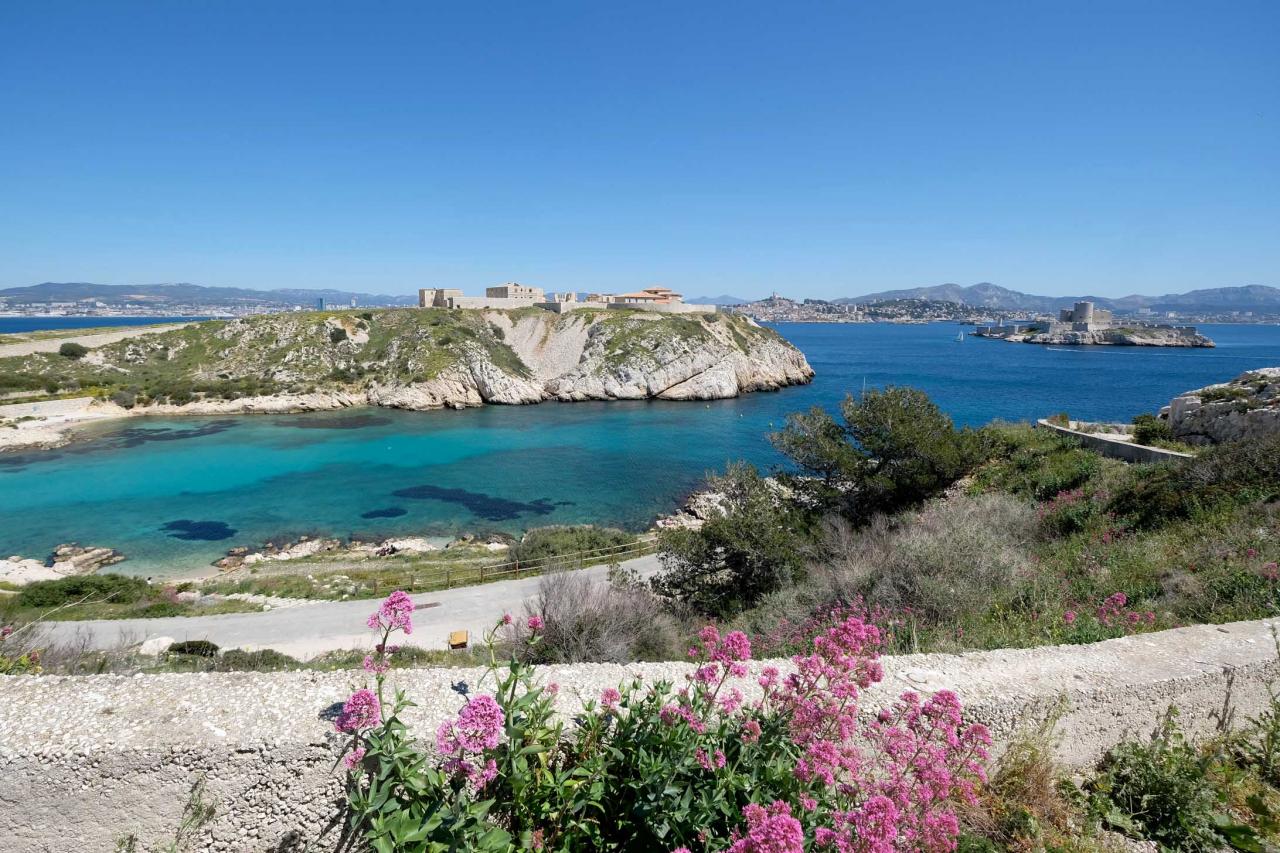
(959,337)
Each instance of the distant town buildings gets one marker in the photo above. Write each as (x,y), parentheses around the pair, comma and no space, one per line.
(512,295)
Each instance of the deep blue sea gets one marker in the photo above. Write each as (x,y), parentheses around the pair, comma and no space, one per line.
(9,325)
(174,493)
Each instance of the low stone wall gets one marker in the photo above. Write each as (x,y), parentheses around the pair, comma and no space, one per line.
(87,760)
(1116,449)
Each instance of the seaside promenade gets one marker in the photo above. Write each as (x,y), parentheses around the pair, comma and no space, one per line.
(317,627)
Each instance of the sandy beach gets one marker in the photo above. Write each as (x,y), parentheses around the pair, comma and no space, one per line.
(48,423)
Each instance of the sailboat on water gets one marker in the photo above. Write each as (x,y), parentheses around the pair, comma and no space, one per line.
(959,337)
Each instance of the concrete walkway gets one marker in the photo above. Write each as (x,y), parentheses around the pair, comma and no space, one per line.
(96,340)
(305,632)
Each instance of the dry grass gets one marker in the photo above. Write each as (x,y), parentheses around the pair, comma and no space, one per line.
(593,620)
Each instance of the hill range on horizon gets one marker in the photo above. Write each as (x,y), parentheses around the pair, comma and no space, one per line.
(1256,297)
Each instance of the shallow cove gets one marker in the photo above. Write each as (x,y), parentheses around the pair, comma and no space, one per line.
(165,491)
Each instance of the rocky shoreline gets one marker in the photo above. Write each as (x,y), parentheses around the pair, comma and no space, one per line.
(1137,337)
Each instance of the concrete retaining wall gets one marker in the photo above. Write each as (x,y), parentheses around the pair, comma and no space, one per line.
(1116,449)
(84,761)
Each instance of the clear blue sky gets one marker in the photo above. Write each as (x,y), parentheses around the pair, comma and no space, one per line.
(824,149)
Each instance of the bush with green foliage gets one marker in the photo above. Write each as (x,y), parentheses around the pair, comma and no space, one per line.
(1149,429)
(752,546)
(1222,476)
(582,541)
(198,648)
(894,448)
(120,589)
(71,349)
(1180,796)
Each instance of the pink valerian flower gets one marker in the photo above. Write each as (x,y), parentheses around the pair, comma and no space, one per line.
(478,727)
(769,830)
(376,666)
(750,731)
(672,714)
(535,623)
(6,632)
(506,618)
(610,697)
(681,850)
(361,711)
(1115,613)
(353,758)
(479,724)
(1069,617)
(395,613)
(710,763)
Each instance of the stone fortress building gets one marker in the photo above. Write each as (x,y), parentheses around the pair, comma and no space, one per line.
(512,295)
(1085,323)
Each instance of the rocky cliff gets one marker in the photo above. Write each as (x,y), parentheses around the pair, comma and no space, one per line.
(1131,336)
(423,359)
(1247,407)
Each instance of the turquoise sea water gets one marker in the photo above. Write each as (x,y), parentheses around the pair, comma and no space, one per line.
(174,493)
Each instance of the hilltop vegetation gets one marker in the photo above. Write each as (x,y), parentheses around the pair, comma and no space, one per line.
(419,358)
(953,539)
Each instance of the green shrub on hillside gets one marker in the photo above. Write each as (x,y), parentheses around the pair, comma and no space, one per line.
(1035,463)
(1226,475)
(119,589)
(70,349)
(754,546)
(893,449)
(542,543)
(1149,429)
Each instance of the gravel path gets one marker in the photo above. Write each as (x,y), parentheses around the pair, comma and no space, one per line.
(305,632)
(95,340)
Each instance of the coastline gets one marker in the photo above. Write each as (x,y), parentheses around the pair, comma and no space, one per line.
(48,424)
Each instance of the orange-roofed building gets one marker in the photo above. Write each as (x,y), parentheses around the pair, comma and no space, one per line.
(651,296)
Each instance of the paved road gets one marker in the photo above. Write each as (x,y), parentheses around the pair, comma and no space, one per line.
(306,631)
(52,344)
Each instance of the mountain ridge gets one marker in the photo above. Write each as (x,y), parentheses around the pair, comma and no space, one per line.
(1254,297)
(183,292)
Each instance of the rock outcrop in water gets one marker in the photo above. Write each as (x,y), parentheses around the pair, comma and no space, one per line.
(430,358)
(1247,407)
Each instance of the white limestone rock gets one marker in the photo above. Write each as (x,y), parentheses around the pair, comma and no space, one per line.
(1247,407)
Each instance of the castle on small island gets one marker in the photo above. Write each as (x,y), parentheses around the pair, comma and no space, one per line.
(511,295)
(1084,323)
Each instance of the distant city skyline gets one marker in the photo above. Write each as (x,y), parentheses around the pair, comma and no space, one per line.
(739,149)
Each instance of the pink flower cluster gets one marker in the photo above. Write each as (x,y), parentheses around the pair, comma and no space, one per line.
(1115,612)
(477,728)
(723,656)
(361,711)
(769,830)
(884,786)
(395,613)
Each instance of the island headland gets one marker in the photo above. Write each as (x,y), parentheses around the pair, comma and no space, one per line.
(409,359)
(1087,324)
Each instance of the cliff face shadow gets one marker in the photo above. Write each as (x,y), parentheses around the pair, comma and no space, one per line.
(199,531)
(488,507)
